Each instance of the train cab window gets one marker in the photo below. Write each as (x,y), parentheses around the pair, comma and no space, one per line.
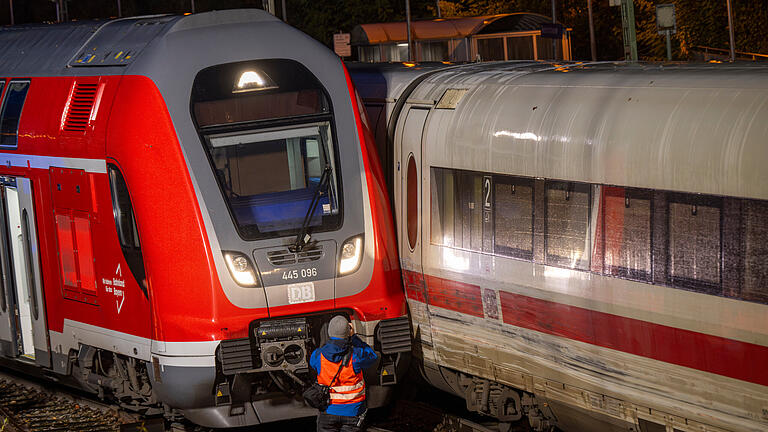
(755,249)
(568,237)
(695,242)
(267,127)
(513,217)
(125,222)
(13,102)
(626,230)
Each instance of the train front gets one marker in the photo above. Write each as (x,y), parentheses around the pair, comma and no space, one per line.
(293,216)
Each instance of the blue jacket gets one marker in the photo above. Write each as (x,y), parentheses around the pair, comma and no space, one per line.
(363,357)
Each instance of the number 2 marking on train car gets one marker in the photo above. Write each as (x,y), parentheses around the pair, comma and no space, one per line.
(486,193)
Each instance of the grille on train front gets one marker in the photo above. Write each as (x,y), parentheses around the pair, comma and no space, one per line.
(395,335)
(283,257)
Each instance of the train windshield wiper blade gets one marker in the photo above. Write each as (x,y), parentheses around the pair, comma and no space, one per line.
(302,237)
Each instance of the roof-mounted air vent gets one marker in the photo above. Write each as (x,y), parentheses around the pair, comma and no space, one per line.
(80,106)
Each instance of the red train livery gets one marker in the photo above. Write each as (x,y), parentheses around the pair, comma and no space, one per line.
(186,200)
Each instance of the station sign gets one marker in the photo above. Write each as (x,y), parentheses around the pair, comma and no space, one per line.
(551,30)
(341,44)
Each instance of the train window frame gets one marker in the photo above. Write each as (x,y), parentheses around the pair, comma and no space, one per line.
(556,260)
(513,181)
(622,272)
(694,200)
(253,126)
(132,252)
(6,93)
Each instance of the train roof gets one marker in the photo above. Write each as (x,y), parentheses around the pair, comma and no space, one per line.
(111,46)
(387,81)
(684,127)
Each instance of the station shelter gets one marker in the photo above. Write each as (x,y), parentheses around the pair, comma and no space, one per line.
(515,36)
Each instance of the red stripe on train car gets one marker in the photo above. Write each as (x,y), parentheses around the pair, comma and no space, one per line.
(713,354)
(414,286)
(456,296)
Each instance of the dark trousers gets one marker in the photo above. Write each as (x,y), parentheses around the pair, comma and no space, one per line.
(335,423)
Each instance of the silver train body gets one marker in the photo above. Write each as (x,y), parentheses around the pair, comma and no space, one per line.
(584,244)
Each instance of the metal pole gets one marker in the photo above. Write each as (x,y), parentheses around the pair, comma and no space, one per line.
(628,26)
(669,46)
(730,31)
(285,12)
(408,23)
(439,14)
(592,44)
(119,9)
(11,4)
(554,40)
(193,6)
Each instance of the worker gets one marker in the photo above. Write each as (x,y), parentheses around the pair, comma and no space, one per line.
(340,364)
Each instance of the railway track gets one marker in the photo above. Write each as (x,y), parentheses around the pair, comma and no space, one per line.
(27,405)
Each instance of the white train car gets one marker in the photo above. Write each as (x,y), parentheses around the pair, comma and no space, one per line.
(586,244)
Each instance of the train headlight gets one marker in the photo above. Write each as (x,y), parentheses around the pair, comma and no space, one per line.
(241,269)
(351,255)
(253,81)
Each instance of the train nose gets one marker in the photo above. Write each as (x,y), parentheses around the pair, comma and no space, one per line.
(294,278)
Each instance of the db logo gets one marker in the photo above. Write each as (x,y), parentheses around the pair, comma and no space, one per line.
(301,293)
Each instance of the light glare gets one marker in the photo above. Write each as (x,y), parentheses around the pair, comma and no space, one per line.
(249,78)
(351,253)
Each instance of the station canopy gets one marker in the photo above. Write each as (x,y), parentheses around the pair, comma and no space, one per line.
(447,28)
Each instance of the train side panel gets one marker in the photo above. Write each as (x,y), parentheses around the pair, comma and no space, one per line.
(552,231)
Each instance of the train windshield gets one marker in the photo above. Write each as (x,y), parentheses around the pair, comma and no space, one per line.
(267,128)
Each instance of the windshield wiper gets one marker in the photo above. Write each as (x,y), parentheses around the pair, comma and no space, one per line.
(302,237)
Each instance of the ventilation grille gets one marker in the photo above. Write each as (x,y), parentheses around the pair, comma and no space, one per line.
(236,356)
(79,107)
(284,257)
(395,335)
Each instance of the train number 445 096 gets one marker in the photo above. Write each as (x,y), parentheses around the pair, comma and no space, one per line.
(300,274)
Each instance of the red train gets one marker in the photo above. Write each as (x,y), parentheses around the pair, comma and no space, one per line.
(185,201)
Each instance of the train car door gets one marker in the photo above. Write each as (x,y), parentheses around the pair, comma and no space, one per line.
(23,303)
(410,189)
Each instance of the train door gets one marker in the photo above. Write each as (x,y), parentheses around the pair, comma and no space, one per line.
(22,317)
(410,190)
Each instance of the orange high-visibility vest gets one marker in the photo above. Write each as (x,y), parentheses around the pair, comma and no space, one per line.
(349,387)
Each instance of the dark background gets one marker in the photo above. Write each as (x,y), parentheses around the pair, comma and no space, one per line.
(700,22)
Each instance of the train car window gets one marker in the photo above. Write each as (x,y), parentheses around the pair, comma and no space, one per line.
(267,128)
(457,209)
(626,230)
(13,102)
(412,197)
(125,222)
(442,206)
(513,217)
(755,249)
(695,242)
(567,224)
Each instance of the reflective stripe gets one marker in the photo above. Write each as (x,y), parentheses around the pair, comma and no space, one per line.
(347,388)
(347,396)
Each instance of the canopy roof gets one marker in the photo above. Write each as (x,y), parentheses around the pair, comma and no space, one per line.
(447,28)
